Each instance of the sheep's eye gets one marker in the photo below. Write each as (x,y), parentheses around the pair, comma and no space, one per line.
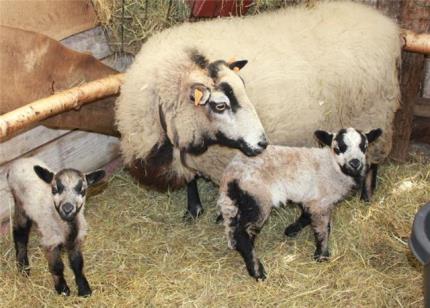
(220,107)
(336,150)
(54,190)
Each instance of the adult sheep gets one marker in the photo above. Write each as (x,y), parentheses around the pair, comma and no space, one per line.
(326,67)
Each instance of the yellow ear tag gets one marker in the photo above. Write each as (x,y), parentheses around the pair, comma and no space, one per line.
(197,97)
(236,69)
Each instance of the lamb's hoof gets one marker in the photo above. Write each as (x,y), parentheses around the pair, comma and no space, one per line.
(24,270)
(260,275)
(292,230)
(85,292)
(63,290)
(193,213)
(219,219)
(322,257)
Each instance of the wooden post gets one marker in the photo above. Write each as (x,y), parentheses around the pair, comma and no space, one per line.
(415,17)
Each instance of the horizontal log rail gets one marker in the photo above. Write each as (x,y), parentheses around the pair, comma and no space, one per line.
(73,98)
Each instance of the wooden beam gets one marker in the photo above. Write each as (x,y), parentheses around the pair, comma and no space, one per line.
(414,42)
(422,108)
(63,101)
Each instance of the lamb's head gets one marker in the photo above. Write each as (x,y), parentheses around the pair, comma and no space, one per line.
(68,188)
(349,147)
(215,97)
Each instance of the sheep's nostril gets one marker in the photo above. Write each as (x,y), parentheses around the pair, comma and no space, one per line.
(263,144)
(67,208)
(355,163)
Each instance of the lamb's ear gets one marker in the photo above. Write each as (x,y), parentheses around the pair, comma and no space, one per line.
(237,65)
(44,174)
(323,137)
(95,176)
(373,135)
(199,94)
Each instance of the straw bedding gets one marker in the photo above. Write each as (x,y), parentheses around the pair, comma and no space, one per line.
(139,252)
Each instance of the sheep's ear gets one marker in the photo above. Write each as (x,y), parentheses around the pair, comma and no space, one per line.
(237,65)
(324,137)
(95,176)
(199,94)
(44,174)
(373,135)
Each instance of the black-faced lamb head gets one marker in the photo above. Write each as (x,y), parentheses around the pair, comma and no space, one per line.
(217,111)
(68,188)
(349,147)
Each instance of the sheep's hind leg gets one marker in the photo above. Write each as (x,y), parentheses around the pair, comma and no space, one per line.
(194,205)
(369,183)
(297,226)
(21,232)
(77,264)
(56,267)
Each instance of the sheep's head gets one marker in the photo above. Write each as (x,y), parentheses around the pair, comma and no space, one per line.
(68,188)
(215,98)
(349,147)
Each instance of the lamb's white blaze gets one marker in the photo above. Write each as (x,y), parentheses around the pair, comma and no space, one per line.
(352,139)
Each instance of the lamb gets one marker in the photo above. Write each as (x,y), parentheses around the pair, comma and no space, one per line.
(316,178)
(55,202)
(309,68)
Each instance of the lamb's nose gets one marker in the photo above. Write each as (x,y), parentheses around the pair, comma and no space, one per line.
(355,163)
(67,208)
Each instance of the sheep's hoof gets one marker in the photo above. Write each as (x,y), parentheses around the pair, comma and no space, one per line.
(85,292)
(219,219)
(365,197)
(292,230)
(193,213)
(322,257)
(260,275)
(63,290)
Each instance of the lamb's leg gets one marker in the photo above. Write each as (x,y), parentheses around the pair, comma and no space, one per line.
(194,205)
(56,267)
(245,246)
(229,213)
(297,226)
(369,183)
(21,232)
(77,264)
(320,222)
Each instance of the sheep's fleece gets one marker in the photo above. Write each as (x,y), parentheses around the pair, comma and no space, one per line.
(326,67)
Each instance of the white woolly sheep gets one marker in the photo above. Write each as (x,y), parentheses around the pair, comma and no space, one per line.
(55,202)
(316,178)
(308,68)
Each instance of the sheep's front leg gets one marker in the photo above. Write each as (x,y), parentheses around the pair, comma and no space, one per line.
(77,264)
(194,205)
(369,183)
(21,232)
(56,267)
(320,222)
(245,246)
(297,226)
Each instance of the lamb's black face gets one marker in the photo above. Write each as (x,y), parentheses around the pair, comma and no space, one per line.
(349,146)
(68,189)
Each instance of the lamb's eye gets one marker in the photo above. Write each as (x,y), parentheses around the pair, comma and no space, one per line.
(54,190)
(220,107)
(336,150)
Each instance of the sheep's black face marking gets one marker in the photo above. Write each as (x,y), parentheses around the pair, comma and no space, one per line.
(215,67)
(228,90)
(240,144)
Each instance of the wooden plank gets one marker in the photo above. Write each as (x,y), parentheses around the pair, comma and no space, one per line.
(422,108)
(77,149)
(27,141)
(56,19)
(426,86)
(415,18)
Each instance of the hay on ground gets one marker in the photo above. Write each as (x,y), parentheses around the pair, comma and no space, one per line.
(139,252)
